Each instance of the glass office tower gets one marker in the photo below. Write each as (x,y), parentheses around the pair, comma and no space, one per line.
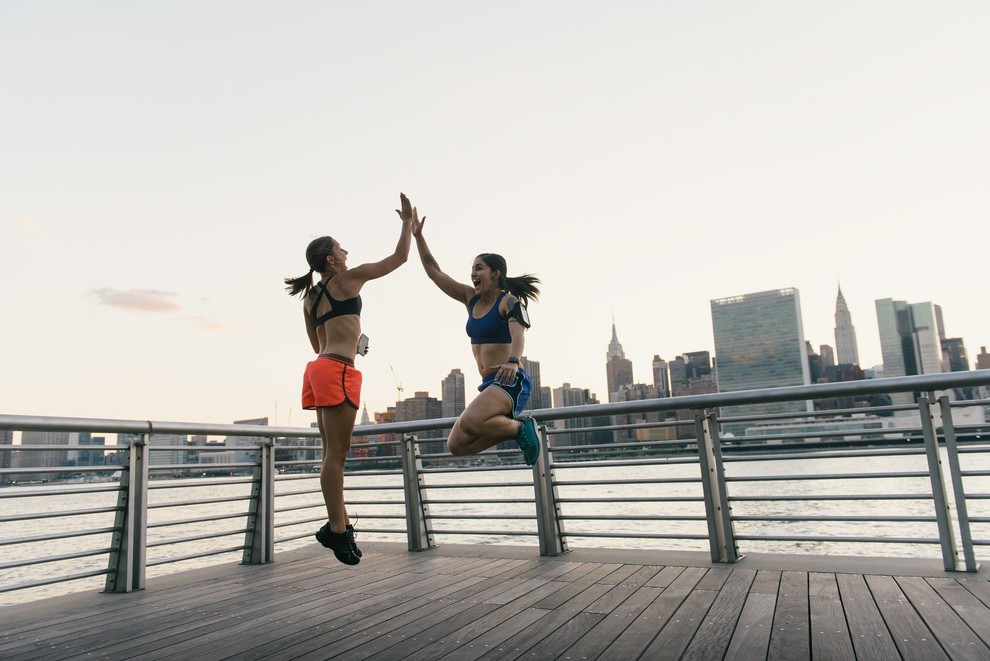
(759,343)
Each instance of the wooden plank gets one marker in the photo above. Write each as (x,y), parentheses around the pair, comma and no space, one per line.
(149,627)
(766,582)
(972,611)
(329,630)
(870,637)
(611,600)
(493,639)
(575,587)
(217,626)
(562,636)
(547,625)
(603,634)
(680,628)
(401,642)
(467,634)
(912,637)
(955,636)
(632,642)
(713,636)
(714,578)
(751,637)
(665,577)
(979,587)
(829,632)
(791,635)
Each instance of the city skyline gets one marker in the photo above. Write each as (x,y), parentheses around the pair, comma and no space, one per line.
(169,163)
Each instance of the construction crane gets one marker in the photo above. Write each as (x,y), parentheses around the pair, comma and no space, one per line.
(398,386)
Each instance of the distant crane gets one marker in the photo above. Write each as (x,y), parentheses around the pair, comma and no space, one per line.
(398,386)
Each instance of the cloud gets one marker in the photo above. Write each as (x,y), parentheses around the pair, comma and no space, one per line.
(141,300)
(212,323)
(20,224)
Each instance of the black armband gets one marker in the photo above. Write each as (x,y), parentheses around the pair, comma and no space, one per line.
(518,312)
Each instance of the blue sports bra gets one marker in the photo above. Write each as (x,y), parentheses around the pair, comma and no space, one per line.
(490,329)
(337,308)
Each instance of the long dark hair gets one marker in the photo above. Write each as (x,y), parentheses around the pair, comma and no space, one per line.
(316,256)
(523,286)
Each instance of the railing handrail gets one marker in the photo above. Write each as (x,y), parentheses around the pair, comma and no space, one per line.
(922,383)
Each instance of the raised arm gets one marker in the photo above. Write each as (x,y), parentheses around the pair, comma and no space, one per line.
(361,274)
(459,292)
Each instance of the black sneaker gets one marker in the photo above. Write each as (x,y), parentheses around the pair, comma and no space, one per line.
(341,543)
(351,534)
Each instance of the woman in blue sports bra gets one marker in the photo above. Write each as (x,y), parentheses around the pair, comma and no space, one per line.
(497,323)
(331,384)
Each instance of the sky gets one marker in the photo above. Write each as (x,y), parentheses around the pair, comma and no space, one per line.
(164,165)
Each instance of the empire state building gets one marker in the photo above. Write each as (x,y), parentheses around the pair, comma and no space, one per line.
(845,334)
(618,368)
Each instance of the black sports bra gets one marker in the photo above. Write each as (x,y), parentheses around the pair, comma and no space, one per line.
(337,308)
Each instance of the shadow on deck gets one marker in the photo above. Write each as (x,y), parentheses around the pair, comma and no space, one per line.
(471,602)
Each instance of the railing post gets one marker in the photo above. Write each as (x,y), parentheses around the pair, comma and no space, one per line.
(946,535)
(128,559)
(548,524)
(958,490)
(721,534)
(417,508)
(259,540)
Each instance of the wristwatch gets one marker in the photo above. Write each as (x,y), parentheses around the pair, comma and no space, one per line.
(513,360)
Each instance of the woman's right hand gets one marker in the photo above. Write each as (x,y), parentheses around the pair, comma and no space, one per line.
(410,215)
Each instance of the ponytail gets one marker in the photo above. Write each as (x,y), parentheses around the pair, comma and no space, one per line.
(522,287)
(316,256)
(300,284)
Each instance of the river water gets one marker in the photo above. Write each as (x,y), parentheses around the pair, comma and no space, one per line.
(377,502)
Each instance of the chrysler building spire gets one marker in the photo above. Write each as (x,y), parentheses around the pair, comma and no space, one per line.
(845,333)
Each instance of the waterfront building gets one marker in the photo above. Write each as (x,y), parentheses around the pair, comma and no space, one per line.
(846,349)
(452,394)
(661,377)
(827,354)
(536,399)
(910,340)
(983,359)
(691,373)
(759,343)
(423,407)
(240,442)
(567,395)
(618,369)
(41,458)
(633,393)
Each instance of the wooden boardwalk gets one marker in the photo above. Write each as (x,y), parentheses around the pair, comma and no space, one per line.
(475,602)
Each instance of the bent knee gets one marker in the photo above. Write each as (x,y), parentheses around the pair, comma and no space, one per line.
(457,450)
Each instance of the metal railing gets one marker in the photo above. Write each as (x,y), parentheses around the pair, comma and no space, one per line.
(790,479)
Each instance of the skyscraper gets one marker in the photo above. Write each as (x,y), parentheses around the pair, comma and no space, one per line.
(618,370)
(759,343)
(538,399)
(846,350)
(566,395)
(423,407)
(910,340)
(661,377)
(452,394)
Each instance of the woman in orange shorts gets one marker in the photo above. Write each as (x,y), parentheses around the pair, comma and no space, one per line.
(331,384)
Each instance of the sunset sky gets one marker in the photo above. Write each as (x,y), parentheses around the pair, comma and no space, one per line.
(163,166)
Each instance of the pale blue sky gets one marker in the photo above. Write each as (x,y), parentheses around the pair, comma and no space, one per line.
(163,166)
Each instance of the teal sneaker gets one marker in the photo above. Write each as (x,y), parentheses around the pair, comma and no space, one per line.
(528,441)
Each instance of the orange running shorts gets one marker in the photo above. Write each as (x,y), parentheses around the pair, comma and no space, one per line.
(330,381)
